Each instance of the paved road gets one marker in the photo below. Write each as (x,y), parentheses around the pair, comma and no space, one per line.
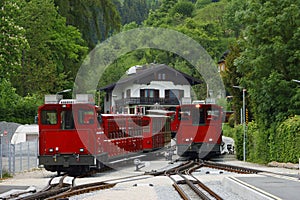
(279,187)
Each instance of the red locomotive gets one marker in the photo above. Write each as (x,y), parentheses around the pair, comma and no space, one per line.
(74,137)
(197,127)
(199,133)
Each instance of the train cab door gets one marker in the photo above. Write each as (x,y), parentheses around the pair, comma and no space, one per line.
(85,118)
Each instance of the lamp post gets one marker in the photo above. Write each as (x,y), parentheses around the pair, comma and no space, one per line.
(297,81)
(243,121)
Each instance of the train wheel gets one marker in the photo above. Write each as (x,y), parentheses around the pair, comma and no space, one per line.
(85,169)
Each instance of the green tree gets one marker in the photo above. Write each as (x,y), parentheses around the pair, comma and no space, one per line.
(233,16)
(231,77)
(161,15)
(202,3)
(184,8)
(270,57)
(96,19)
(55,52)
(12,38)
(134,11)
(14,108)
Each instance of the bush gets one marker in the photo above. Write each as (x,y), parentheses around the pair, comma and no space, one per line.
(257,141)
(287,140)
(184,8)
(280,142)
(14,108)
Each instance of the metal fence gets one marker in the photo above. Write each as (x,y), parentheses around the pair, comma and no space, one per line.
(18,157)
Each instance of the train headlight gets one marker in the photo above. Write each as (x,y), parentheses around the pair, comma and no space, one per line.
(81,150)
(187,139)
(51,150)
(56,148)
(210,139)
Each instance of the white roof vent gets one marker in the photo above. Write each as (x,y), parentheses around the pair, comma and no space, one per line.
(85,98)
(52,99)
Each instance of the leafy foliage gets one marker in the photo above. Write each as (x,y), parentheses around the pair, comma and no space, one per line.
(264,60)
(12,38)
(13,107)
(55,50)
(268,61)
(184,8)
(287,141)
(135,10)
(96,19)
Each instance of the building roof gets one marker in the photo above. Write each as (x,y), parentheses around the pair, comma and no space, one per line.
(144,75)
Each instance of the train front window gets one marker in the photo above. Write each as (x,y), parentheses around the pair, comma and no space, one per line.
(213,114)
(67,121)
(198,116)
(49,117)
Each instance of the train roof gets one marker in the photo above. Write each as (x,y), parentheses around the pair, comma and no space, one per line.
(160,111)
(133,115)
(80,99)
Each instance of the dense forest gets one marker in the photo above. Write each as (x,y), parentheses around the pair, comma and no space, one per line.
(44,43)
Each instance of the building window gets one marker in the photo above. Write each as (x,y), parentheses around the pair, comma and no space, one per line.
(149,93)
(161,76)
(174,94)
(128,93)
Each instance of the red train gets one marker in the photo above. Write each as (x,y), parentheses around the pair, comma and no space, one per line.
(199,134)
(74,137)
(198,129)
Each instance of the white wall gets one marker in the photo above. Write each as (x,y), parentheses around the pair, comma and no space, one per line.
(21,132)
(159,85)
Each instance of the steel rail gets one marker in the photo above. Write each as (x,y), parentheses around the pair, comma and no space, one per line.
(231,168)
(199,183)
(81,190)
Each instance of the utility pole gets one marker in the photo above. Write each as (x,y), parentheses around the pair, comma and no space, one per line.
(244,120)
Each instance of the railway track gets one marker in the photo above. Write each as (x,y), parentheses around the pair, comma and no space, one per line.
(187,185)
(90,187)
(55,186)
(190,187)
(230,168)
(61,189)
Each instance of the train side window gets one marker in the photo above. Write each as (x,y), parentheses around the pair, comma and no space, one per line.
(86,116)
(49,117)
